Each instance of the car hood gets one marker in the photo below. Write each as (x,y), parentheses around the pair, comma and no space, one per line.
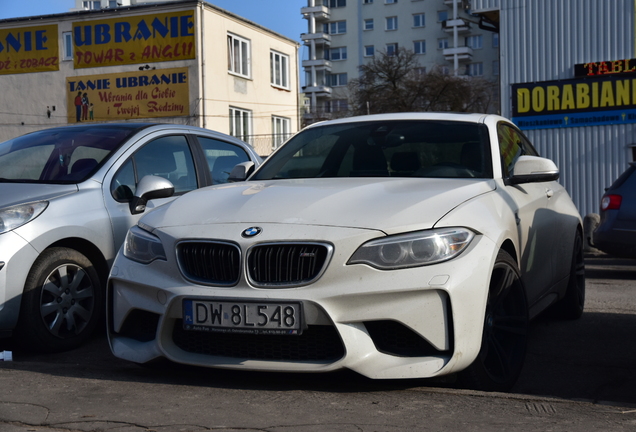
(21,193)
(388,205)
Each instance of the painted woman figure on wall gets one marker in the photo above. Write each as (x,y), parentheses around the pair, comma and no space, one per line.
(85,106)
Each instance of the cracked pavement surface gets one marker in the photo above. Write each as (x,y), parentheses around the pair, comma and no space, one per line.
(579,375)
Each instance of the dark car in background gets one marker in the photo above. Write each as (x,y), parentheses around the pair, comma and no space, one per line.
(616,232)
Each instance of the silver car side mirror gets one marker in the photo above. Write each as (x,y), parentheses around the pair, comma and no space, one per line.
(533,169)
(150,187)
(241,171)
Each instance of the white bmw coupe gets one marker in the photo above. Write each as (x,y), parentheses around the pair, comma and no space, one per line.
(397,245)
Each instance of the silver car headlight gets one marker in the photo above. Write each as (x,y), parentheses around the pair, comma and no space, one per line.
(413,249)
(16,216)
(142,246)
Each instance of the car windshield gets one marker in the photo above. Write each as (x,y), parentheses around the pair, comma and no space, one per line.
(404,148)
(61,155)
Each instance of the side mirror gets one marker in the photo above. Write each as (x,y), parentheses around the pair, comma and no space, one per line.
(533,169)
(150,187)
(241,171)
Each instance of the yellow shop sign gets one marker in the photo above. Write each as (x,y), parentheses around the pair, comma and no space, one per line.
(134,39)
(130,95)
(29,49)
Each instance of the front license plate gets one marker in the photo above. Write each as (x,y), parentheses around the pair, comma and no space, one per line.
(284,318)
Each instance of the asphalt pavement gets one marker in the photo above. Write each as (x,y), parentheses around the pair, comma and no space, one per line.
(579,376)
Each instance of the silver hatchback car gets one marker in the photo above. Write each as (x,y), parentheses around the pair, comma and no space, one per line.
(68,196)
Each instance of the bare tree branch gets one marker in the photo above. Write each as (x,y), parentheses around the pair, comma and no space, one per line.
(393,83)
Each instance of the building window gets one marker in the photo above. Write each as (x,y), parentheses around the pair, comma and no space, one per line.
(445,70)
(495,67)
(369,51)
(442,43)
(368,24)
(442,16)
(67,37)
(335,3)
(92,5)
(391,49)
(390,1)
(418,20)
(238,55)
(279,68)
(240,123)
(337,105)
(474,42)
(336,54)
(495,40)
(420,70)
(337,80)
(336,27)
(281,130)
(391,23)
(114,3)
(419,47)
(367,1)
(475,69)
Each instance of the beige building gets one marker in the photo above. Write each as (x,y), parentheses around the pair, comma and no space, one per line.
(185,62)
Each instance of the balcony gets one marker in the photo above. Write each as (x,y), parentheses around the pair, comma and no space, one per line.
(319,38)
(320,13)
(449,3)
(461,24)
(464,53)
(320,90)
(318,64)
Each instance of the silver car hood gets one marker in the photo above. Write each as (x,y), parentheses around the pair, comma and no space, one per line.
(389,205)
(21,193)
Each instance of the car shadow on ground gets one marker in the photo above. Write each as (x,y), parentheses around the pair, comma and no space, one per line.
(592,359)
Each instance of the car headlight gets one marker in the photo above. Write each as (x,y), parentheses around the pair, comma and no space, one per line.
(413,249)
(16,216)
(143,247)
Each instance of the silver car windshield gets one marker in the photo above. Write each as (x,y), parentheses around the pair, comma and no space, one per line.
(405,148)
(60,155)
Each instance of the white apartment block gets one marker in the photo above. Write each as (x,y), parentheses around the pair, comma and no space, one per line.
(110,4)
(344,34)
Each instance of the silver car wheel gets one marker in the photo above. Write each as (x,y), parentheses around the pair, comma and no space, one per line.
(67,300)
(62,302)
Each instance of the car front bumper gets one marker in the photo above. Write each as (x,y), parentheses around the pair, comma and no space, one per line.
(357,317)
(18,257)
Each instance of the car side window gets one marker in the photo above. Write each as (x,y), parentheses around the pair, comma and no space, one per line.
(168,157)
(221,157)
(512,145)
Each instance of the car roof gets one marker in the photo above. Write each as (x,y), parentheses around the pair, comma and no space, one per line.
(445,116)
(136,127)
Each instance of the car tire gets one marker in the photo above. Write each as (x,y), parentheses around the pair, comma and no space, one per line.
(572,304)
(62,302)
(505,334)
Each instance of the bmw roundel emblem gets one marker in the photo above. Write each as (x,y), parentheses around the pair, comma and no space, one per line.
(251,232)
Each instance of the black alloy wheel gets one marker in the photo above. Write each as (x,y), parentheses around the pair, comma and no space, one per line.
(572,304)
(505,335)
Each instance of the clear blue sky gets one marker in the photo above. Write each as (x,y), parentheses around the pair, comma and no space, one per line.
(282,16)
